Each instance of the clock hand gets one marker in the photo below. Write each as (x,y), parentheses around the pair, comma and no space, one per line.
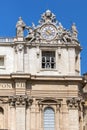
(48,32)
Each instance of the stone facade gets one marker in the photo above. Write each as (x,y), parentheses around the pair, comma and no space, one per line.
(40,83)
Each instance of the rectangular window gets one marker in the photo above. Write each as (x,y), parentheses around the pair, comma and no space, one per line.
(1,61)
(48,59)
(2,64)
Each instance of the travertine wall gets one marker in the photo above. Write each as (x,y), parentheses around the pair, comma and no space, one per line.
(26,89)
(25,106)
(28,60)
(8,53)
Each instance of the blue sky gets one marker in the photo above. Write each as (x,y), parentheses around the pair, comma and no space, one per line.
(66,11)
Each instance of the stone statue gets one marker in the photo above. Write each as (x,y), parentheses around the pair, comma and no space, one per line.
(20,26)
(74,31)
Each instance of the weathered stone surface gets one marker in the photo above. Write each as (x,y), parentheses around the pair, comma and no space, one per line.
(27,88)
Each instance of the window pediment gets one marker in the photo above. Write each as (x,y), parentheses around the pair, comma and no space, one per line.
(49,100)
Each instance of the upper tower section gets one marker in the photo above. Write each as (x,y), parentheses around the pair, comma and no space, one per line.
(57,48)
(47,49)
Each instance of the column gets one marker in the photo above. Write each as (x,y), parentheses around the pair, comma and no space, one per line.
(28,113)
(40,116)
(73,105)
(20,103)
(20,61)
(12,114)
(58,117)
(20,118)
(28,117)
(19,50)
(38,59)
(65,117)
(18,111)
(59,60)
(71,54)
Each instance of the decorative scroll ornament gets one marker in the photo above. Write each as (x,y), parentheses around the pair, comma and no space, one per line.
(19,48)
(20,101)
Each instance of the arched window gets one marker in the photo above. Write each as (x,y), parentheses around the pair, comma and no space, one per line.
(1,118)
(49,121)
(1,110)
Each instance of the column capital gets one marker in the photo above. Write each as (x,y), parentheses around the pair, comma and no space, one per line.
(20,100)
(73,103)
(19,47)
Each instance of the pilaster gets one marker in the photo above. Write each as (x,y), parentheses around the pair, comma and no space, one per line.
(18,110)
(71,54)
(65,117)
(73,106)
(19,56)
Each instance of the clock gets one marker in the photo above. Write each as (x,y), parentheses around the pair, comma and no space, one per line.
(48,32)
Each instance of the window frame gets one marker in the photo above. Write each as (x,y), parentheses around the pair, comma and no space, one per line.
(55,63)
(3,66)
(51,113)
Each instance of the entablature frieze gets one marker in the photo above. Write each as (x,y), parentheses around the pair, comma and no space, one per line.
(4,85)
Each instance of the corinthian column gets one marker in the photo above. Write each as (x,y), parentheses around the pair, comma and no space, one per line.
(12,114)
(58,117)
(28,113)
(65,118)
(20,112)
(73,105)
(19,104)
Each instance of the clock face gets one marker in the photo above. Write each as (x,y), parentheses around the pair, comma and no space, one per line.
(48,32)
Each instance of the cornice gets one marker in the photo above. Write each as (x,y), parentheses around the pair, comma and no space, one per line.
(40,77)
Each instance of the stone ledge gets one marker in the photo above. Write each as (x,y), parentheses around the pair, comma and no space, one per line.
(41,77)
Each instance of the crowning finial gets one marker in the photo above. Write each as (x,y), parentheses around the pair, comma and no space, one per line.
(48,13)
(48,16)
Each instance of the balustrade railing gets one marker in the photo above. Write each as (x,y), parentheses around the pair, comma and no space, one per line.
(4,40)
